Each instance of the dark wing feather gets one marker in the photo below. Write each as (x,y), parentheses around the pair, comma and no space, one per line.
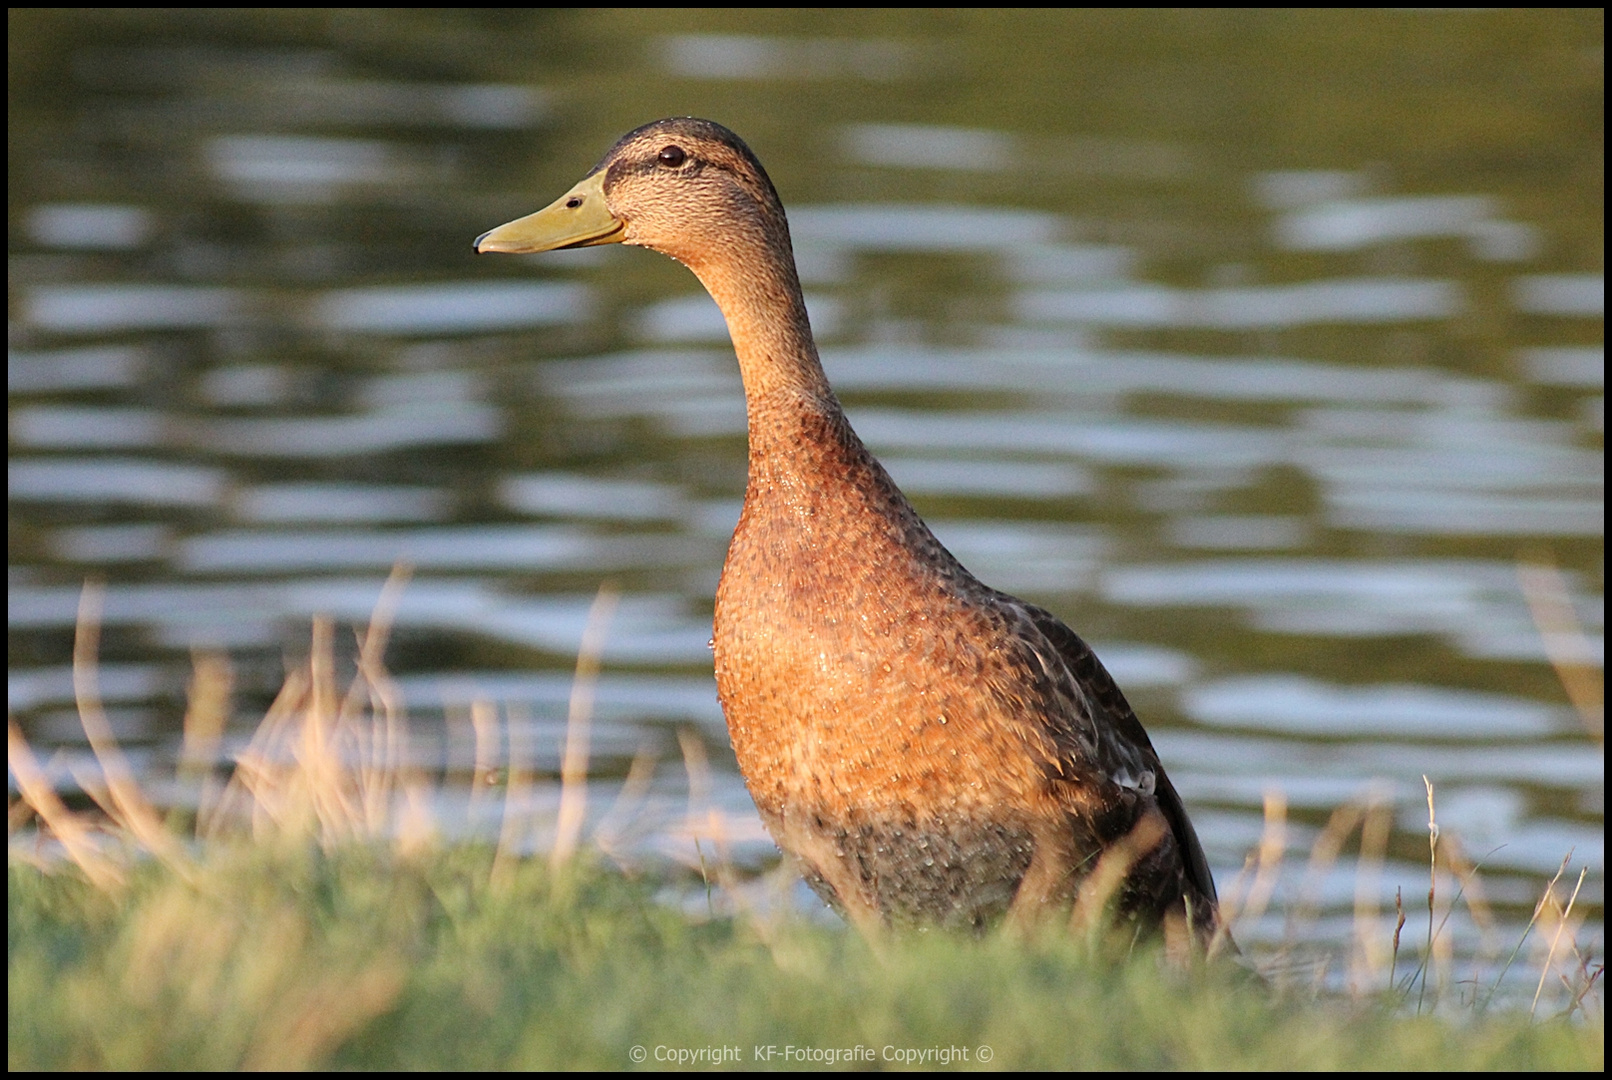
(1115,719)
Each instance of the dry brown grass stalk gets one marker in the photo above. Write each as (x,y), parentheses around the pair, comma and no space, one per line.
(484,728)
(515,830)
(574,765)
(1566,644)
(123,801)
(1248,894)
(611,830)
(1563,918)
(703,819)
(74,834)
(207,714)
(1369,956)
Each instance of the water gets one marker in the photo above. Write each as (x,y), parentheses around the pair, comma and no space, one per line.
(1259,346)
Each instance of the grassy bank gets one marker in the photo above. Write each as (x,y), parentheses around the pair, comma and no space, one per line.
(308,915)
(292,957)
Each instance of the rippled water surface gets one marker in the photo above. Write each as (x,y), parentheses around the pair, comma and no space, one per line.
(1266,349)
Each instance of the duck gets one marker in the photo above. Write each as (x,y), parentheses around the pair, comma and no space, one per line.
(929,751)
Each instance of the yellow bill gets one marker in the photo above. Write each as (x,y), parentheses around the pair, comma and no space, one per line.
(579,218)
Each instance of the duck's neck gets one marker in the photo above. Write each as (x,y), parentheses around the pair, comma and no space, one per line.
(811,480)
(784,384)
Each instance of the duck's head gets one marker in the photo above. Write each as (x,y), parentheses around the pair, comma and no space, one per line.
(685,187)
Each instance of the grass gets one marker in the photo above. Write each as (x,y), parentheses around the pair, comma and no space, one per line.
(292,957)
(308,916)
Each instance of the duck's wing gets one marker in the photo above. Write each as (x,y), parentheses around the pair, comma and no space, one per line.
(1118,734)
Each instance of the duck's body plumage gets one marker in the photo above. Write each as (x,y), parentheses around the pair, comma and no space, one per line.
(928,749)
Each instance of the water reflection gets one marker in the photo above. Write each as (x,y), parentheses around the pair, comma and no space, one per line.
(930,146)
(449,309)
(1477,607)
(752,56)
(1348,225)
(403,424)
(1344,300)
(647,629)
(89,226)
(60,370)
(570,495)
(149,483)
(1302,706)
(341,502)
(100,309)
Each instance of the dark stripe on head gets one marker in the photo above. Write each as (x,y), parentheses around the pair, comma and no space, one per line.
(694,130)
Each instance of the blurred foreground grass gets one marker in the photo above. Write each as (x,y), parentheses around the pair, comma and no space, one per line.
(314,918)
(288,956)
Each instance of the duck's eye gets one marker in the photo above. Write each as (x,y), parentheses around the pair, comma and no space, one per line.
(673,156)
